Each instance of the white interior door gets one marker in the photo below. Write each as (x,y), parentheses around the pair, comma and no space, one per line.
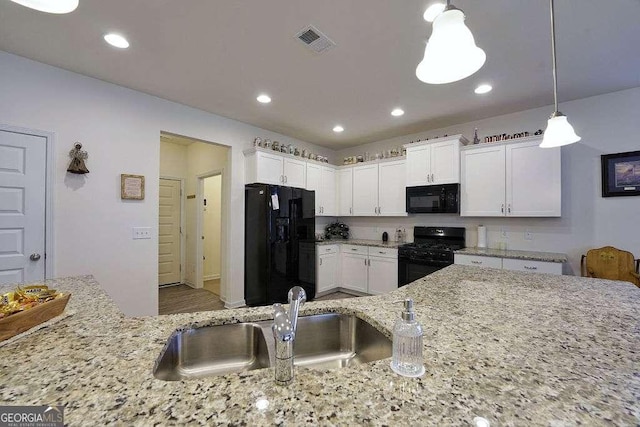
(169,254)
(22,207)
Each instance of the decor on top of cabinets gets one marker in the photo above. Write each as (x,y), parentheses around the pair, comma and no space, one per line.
(434,162)
(336,230)
(510,179)
(621,174)
(78,156)
(131,187)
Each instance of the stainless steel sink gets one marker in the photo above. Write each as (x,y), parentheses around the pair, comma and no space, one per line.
(213,350)
(322,341)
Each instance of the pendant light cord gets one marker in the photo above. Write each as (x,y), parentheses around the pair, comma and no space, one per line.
(553,60)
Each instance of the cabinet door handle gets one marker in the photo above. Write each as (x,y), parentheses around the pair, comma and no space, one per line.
(502,208)
(354,249)
(285,178)
(432,179)
(320,261)
(530,268)
(365,262)
(476,262)
(428,178)
(350,210)
(509,208)
(381,252)
(379,210)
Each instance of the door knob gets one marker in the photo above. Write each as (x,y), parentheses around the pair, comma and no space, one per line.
(34,257)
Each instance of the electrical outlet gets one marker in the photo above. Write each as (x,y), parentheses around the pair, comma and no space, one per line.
(503,232)
(141,233)
(528,235)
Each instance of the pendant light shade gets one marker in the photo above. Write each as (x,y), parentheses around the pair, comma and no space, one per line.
(50,6)
(559,132)
(451,53)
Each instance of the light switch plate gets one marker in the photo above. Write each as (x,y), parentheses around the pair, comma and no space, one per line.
(141,233)
(503,232)
(528,235)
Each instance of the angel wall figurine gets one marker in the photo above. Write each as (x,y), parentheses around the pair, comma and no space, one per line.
(78,157)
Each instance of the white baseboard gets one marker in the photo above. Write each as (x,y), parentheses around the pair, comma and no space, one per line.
(211,277)
(236,304)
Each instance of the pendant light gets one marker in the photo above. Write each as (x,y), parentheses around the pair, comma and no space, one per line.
(50,6)
(559,132)
(451,53)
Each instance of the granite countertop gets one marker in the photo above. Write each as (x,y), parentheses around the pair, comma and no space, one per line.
(506,253)
(362,242)
(515,348)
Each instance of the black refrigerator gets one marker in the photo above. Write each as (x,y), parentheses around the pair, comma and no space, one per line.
(279,243)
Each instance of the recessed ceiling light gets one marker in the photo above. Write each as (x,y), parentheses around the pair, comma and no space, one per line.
(49,6)
(483,88)
(433,11)
(116,40)
(397,112)
(338,129)
(264,99)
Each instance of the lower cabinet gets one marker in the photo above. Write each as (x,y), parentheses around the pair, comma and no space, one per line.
(327,267)
(365,269)
(509,264)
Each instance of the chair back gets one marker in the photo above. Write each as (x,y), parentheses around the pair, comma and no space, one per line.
(610,263)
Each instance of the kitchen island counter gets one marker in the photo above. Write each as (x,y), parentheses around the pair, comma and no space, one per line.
(515,348)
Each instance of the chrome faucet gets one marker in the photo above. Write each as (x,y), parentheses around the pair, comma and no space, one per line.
(284,332)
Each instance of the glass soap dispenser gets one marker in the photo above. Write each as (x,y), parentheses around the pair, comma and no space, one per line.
(407,343)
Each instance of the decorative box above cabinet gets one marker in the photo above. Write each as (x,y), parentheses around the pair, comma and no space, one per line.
(434,162)
(516,178)
(272,167)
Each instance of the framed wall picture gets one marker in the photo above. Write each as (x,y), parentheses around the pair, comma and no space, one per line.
(621,174)
(131,187)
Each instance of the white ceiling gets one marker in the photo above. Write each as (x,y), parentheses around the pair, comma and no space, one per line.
(219,55)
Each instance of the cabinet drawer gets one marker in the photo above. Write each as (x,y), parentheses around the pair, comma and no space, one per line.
(478,261)
(532,266)
(383,252)
(354,249)
(327,249)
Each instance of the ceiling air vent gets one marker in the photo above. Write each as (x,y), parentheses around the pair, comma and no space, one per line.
(314,39)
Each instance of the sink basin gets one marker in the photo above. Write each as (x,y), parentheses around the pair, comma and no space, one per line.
(323,341)
(213,350)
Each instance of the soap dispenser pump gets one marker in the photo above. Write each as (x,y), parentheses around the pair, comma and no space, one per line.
(407,343)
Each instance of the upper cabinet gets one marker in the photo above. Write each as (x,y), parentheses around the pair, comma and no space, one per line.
(274,168)
(379,189)
(434,162)
(517,179)
(322,179)
(345,191)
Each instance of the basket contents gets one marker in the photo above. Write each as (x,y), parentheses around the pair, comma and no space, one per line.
(25,298)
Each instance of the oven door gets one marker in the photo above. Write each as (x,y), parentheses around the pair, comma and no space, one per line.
(433,199)
(411,270)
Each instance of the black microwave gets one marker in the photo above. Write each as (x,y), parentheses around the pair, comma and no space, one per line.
(443,198)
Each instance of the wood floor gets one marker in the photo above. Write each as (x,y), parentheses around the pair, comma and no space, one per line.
(185,299)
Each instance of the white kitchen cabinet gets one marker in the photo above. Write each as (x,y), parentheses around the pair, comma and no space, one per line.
(327,267)
(271,167)
(532,266)
(533,180)
(517,179)
(391,188)
(478,261)
(509,263)
(483,182)
(383,270)
(354,271)
(322,180)
(345,191)
(379,189)
(365,190)
(434,162)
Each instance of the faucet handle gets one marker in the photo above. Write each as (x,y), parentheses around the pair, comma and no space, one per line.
(281,328)
(297,293)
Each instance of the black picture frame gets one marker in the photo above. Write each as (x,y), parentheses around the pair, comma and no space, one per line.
(621,174)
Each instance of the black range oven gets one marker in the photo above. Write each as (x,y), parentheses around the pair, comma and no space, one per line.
(431,251)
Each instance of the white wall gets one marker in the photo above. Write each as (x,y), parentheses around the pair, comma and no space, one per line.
(120,128)
(212,216)
(173,160)
(607,124)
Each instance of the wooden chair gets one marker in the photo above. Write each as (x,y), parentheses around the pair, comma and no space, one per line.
(611,263)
